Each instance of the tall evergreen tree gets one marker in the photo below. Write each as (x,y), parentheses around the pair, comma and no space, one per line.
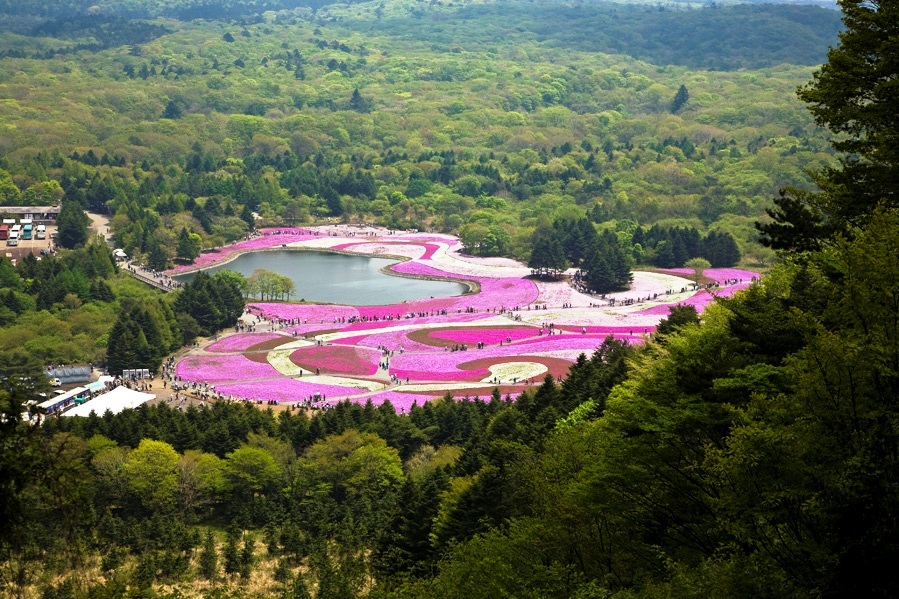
(72,224)
(680,99)
(209,558)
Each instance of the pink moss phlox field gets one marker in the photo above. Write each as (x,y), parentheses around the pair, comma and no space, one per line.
(566,341)
(444,365)
(338,358)
(213,369)
(302,330)
(268,239)
(428,249)
(285,390)
(306,313)
(394,340)
(718,274)
(488,335)
(357,354)
(604,330)
(400,401)
(354,340)
(699,300)
(241,342)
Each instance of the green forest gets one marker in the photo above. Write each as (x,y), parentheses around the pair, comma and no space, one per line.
(747,452)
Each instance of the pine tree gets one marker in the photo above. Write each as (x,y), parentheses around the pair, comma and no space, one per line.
(72,224)
(247,556)
(188,245)
(232,553)
(359,103)
(300,589)
(680,98)
(172,111)
(209,558)
(282,571)
(854,95)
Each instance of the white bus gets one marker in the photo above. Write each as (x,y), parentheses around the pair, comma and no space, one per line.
(40,232)
(13,238)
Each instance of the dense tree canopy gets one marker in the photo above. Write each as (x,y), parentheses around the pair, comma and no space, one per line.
(72,225)
(854,96)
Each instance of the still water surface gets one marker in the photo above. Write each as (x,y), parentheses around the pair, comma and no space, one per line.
(339,278)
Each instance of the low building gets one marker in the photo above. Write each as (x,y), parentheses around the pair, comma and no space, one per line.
(39,214)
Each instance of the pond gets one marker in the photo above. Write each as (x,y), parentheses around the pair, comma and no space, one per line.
(339,278)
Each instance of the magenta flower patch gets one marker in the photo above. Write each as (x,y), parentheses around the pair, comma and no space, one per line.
(285,390)
(337,359)
(490,336)
(213,369)
(242,342)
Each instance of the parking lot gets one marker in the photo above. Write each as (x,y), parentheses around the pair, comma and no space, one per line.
(30,246)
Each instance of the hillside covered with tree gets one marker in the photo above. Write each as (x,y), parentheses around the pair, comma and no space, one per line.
(747,453)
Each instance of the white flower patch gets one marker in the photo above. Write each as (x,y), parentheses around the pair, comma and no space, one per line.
(649,283)
(513,372)
(280,361)
(321,242)
(556,293)
(481,267)
(413,252)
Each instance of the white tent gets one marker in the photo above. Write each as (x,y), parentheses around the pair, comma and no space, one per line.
(120,398)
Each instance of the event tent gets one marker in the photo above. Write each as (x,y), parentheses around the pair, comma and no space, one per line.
(120,398)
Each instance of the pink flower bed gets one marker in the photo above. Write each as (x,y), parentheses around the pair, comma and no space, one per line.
(243,341)
(285,390)
(490,336)
(399,400)
(393,340)
(718,274)
(444,365)
(566,341)
(338,359)
(269,238)
(605,331)
(213,369)
(429,248)
(699,301)
(306,313)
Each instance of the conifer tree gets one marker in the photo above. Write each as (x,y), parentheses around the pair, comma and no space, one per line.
(231,552)
(247,556)
(680,98)
(209,558)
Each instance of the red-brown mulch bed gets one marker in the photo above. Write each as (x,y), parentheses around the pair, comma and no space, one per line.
(555,366)
(257,356)
(424,337)
(268,344)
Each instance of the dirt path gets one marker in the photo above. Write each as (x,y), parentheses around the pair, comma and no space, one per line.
(100,226)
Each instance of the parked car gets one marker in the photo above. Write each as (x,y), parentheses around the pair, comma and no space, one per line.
(55,382)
